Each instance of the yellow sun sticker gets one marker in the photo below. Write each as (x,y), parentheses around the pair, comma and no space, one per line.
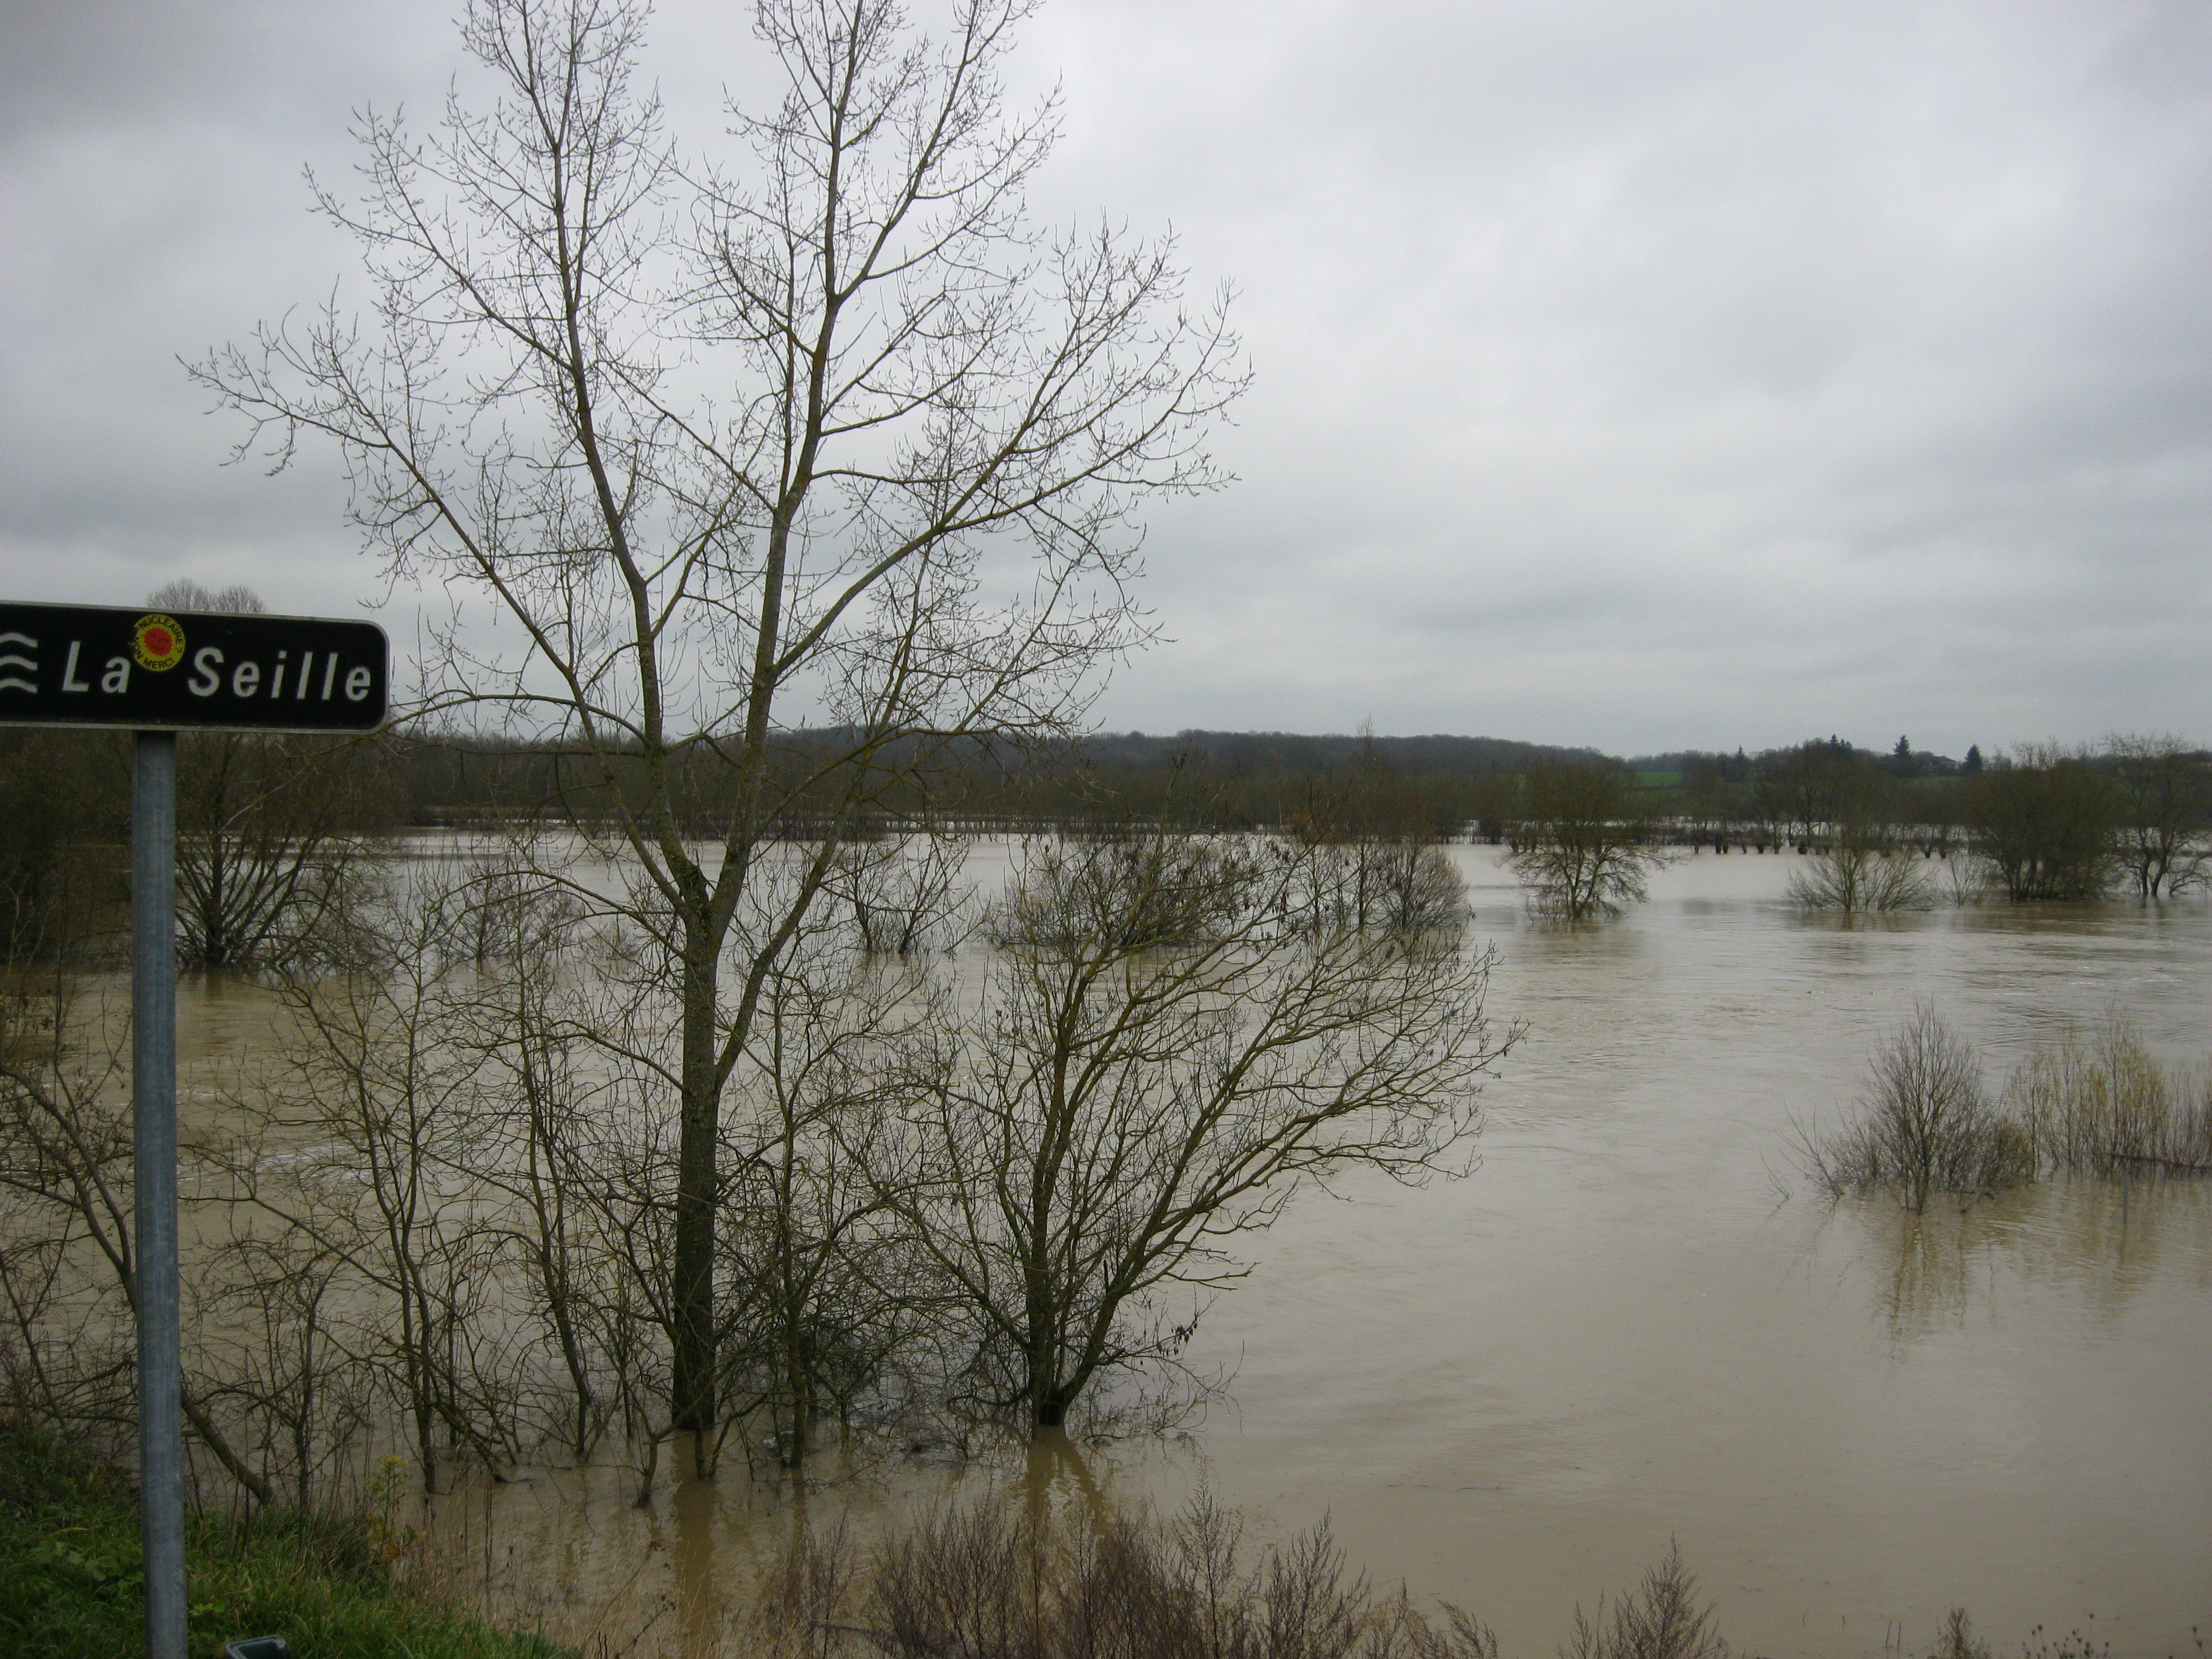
(158,642)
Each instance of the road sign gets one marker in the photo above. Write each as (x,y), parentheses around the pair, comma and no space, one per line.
(185,671)
(159,672)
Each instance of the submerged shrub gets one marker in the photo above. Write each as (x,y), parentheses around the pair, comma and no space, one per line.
(1855,875)
(1659,1619)
(976,1581)
(1927,1127)
(2078,1106)
(1956,1640)
(986,1580)
(2090,1105)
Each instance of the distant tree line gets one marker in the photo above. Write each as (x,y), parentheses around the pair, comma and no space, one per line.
(1196,779)
(2043,820)
(268,825)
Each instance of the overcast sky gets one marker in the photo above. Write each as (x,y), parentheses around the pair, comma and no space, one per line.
(1645,375)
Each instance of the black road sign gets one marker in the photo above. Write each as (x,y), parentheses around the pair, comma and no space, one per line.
(159,672)
(153,670)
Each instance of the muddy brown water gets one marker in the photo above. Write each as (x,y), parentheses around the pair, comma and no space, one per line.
(1634,1323)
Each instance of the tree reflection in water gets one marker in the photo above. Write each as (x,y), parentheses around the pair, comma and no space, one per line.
(2099,1242)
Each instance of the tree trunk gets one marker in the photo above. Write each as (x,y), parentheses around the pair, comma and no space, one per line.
(693,1340)
(212,1438)
(1050,1393)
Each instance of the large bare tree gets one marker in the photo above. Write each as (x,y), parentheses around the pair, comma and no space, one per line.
(825,435)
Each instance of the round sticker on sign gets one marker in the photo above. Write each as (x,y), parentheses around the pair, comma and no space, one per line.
(158,642)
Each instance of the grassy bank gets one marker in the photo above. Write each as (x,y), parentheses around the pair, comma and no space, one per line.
(69,1580)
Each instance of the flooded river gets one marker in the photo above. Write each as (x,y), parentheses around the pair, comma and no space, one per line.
(1635,1322)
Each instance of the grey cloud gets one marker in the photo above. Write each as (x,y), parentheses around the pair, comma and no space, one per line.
(1629,374)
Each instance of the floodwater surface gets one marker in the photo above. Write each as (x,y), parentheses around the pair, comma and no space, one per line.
(1636,1322)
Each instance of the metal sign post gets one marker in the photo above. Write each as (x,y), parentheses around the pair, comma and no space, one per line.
(159,674)
(154,1186)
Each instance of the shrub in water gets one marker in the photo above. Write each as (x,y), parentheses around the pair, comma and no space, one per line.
(1928,1125)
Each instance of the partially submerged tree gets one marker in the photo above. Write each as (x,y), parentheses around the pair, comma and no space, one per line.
(829,1276)
(1162,1059)
(2044,821)
(1859,873)
(738,449)
(2165,800)
(67,1249)
(1858,863)
(1584,848)
(1367,846)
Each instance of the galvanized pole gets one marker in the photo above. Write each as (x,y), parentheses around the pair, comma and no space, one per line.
(153,1171)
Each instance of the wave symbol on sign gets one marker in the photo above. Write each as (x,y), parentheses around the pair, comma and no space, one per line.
(15,659)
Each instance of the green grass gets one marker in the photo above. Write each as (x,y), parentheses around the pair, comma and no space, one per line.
(70,1580)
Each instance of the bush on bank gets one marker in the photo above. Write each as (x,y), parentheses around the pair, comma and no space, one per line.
(69,1580)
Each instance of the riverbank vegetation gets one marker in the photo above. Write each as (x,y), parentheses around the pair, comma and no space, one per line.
(2097,1104)
(69,1580)
(985,1579)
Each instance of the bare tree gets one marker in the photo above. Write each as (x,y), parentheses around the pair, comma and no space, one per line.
(818,1245)
(305,1389)
(64,1171)
(516,1012)
(1859,869)
(905,892)
(1369,854)
(432,1130)
(1858,863)
(1161,1060)
(363,1143)
(731,447)
(2164,789)
(1583,849)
